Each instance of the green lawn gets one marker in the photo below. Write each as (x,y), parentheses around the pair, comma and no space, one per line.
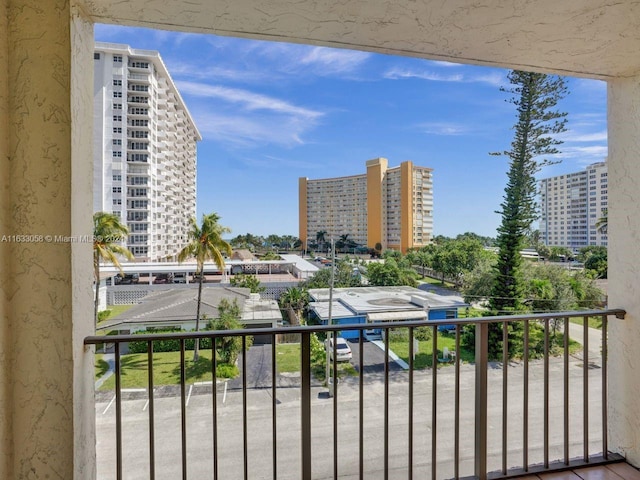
(288,357)
(288,360)
(113,311)
(423,356)
(166,369)
(594,322)
(435,281)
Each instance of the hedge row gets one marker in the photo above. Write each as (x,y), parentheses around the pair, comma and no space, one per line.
(169,345)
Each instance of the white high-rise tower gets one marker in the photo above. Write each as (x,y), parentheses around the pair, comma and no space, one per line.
(144,150)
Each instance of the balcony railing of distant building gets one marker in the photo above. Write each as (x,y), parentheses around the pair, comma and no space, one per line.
(480,423)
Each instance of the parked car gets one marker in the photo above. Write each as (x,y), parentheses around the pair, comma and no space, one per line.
(196,278)
(180,278)
(127,279)
(163,278)
(343,350)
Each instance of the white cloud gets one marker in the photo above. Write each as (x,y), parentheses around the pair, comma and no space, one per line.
(247,132)
(242,118)
(442,63)
(247,100)
(397,73)
(181,69)
(443,128)
(331,61)
(583,155)
(572,136)
(495,78)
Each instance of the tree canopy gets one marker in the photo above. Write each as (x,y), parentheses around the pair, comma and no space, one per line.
(205,243)
(108,234)
(535,96)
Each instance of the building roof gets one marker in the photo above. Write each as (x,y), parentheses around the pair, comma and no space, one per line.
(243,254)
(180,305)
(356,301)
(156,59)
(300,263)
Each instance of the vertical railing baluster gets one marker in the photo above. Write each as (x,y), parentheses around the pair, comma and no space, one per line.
(482,361)
(305,405)
(410,419)
(585,388)
(456,434)
(335,404)
(245,433)
(505,365)
(214,393)
(434,403)
(152,436)
(605,425)
(361,403)
(525,400)
(386,404)
(183,410)
(566,391)
(118,375)
(274,425)
(546,393)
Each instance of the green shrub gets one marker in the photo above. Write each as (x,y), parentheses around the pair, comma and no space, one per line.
(168,345)
(423,333)
(224,370)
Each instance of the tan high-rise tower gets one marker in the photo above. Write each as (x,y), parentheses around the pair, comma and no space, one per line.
(392,207)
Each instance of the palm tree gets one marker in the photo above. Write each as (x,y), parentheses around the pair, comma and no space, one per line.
(343,242)
(108,232)
(603,222)
(320,238)
(295,300)
(205,243)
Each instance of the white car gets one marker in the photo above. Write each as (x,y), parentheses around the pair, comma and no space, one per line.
(343,350)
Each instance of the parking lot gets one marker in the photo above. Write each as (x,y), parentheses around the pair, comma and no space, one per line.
(259,423)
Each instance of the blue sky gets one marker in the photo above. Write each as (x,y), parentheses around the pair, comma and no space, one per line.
(270,113)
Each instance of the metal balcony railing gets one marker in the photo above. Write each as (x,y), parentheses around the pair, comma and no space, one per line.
(483,419)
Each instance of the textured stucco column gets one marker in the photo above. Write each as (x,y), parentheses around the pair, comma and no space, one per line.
(5,340)
(624,266)
(46,394)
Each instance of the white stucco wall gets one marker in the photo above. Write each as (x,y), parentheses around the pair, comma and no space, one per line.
(6,453)
(624,265)
(46,385)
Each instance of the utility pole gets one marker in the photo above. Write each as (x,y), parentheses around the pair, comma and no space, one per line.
(329,347)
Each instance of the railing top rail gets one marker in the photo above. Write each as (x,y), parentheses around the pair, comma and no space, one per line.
(96,339)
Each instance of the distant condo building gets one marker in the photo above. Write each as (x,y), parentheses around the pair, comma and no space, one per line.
(144,150)
(570,207)
(389,206)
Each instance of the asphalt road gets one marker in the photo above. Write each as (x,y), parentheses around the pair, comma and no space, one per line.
(259,425)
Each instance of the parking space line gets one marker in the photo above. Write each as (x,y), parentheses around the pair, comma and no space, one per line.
(109,405)
(147,402)
(189,395)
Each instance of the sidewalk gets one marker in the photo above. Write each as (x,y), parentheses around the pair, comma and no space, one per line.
(594,338)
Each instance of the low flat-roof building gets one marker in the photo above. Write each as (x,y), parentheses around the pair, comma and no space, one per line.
(381,304)
(176,308)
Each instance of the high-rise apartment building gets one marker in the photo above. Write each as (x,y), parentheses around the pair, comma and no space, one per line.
(144,150)
(389,206)
(570,207)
